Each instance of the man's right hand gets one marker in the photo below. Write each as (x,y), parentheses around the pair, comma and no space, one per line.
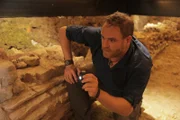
(70,74)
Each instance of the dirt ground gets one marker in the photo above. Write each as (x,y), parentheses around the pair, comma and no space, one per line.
(162,95)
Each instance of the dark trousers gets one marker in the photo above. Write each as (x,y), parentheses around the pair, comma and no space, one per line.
(80,101)
(81,104)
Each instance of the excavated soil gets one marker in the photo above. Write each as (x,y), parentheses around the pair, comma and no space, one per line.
(162,95)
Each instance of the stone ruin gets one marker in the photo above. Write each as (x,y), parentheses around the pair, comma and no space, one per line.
(32,86)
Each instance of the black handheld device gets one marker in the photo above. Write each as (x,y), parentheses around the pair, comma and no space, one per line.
(80,77)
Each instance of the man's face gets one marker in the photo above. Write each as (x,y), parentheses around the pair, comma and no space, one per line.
(113,44)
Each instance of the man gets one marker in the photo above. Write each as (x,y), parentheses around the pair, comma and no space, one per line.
(122,65)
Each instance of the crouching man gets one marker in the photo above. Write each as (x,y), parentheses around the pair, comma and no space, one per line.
(122,66)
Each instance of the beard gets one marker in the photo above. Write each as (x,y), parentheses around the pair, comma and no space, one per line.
(108,53)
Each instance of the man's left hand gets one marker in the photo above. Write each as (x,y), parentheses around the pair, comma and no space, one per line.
(90,84)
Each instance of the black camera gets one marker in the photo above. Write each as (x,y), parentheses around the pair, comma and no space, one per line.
(80,77)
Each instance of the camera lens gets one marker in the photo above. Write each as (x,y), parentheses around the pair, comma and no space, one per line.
(80,77)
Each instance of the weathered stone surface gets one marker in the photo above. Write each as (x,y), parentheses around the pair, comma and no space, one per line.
(3,115)
(79,61)
(19,64)
(28,78)
(47,74)
(30,60)
(30,106)
(18,86)
(155,42)
(30,94)
(25,60)
(3,54)
(15,52)
(29,74)
(63,98)
(79,49)
(41,111)
(48,85)
(8,73)
(55,52)
(40,52)
(19,100)
(40,74)
(5,93)
(44,75)
(161,26)
(88,56)
(58,89)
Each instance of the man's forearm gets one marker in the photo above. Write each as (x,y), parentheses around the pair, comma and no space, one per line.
(65,43)
(116,104)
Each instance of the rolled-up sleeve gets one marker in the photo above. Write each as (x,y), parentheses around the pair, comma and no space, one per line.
(136,85)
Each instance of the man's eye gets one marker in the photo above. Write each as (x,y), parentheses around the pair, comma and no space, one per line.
(112,40)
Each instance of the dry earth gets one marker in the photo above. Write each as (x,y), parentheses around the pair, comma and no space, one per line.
(162,96)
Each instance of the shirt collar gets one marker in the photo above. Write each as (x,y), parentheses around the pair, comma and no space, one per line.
(124,61)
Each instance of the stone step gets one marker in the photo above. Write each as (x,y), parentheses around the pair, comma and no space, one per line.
(40,74)
(31,93)
(29,107)
(40,112)
(8,73)
(58,92)
(3,115)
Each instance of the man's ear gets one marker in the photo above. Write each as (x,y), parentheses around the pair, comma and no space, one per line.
(128,39)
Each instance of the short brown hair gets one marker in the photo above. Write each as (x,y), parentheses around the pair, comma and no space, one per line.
(123,21)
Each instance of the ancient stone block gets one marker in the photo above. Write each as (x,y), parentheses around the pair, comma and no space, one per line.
(19,100)
(28,107)
(44,75)
(19,64)
(5,93)
(18,86)
(30,94)
(48,85)
(8,73)
(41,52)
(58,89)
(3,115)
(30,60)
(41,111)
(55,52)
(49,73)
(28,78)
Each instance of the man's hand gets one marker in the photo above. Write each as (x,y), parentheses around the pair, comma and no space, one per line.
(70,74)
(90,84)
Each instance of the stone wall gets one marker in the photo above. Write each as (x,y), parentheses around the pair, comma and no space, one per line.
(31,73)
(32,85)
(31,62)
